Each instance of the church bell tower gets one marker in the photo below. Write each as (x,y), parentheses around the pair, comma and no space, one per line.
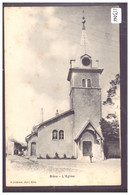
(85,91)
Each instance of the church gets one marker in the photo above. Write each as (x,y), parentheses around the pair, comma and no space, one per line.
(75,133)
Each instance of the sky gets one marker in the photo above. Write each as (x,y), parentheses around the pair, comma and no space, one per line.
(39,43)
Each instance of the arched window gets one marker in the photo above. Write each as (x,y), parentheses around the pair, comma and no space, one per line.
(83,82)
(61,134)
(88,83)
(55,134)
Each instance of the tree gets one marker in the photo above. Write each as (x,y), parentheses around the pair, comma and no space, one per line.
(110,130)
(110,124)
(113,90)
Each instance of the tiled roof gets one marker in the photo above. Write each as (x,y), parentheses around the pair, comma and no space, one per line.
(15,141)
(56,118)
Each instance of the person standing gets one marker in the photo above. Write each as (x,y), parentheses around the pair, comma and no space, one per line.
(91,156)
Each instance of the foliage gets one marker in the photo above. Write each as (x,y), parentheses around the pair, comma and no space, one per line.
(40,157)
(109,129)
(112,90)
(73,157)
(47,156)
(110,124)
(56,156)
(64,156)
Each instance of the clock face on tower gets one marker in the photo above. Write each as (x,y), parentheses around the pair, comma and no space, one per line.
(86,61)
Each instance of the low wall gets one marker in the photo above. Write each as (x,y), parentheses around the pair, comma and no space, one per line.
(112,149)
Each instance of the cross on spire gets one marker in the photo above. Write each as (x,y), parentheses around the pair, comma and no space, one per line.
(83,21)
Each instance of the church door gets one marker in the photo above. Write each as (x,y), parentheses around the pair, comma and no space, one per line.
(87,148)
(33,149)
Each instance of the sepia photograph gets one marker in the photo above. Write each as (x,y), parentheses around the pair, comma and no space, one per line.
(62,97)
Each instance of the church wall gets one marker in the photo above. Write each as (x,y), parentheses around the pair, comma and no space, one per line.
(33,139)
(46,145)
(113,149)
(77,79)
(87,106)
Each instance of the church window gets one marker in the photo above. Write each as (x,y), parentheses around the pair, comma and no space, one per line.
(83,82)
(88,83)
(54,134)
(61,134)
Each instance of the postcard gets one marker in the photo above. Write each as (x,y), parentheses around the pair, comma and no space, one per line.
(62,95)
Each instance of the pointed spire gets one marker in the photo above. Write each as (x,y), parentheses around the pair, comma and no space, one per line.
(84,46)
(84,36)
